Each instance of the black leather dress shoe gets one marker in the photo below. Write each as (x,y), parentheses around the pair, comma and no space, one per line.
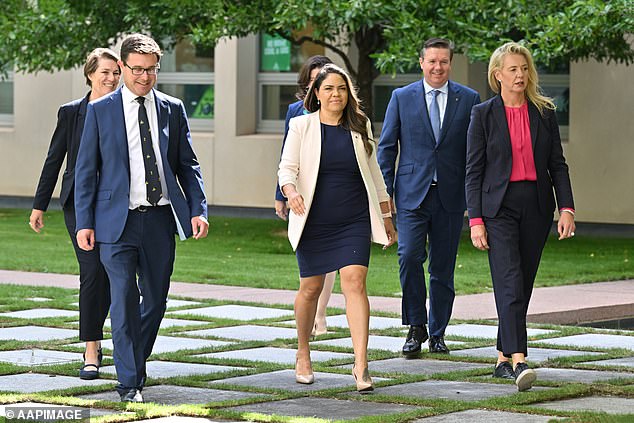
(437,345)
(131,395)
(504,370)
(416,336)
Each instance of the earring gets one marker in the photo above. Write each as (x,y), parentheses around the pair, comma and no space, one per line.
(318,102)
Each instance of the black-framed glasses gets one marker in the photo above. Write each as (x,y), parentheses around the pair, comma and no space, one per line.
(138,70)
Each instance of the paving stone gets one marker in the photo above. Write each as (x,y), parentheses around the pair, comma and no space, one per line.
(486,331)
(37,357)
(35,382)
(181,419)
(39,299)
(486,416)
(247,333)
(624,362)
(237,312)
(610,405)
(165,344)
(419,366)
(173,303)
(324,408)
(458,391)
(94,412)
(593,340)
(40,313)
(36,333)
(535,355)
(580,376)
(177,395)
(164,369)
(376,342)
(275,355)
(170,323)
(376,322)
(285,379)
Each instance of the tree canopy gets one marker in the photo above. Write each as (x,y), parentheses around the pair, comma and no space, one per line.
(47,35)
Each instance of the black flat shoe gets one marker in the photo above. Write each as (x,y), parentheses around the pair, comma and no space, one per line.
(437,345)
(524,377)
(89,372)
(416,336)
(504,370)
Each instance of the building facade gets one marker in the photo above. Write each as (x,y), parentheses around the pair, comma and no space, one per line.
(236,96)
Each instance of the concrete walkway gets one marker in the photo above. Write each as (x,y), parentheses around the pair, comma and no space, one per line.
(570,304)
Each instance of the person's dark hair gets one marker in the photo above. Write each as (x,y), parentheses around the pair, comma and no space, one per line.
(92,61)
(303,78)
(438,43)
(141,44)
(353,118)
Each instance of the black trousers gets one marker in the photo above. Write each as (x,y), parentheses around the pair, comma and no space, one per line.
(516,236)
(94,288)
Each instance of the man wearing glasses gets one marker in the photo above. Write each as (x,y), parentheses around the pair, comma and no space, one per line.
(137,183)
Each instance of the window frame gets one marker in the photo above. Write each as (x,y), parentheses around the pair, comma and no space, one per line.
(191,78)
(7,119)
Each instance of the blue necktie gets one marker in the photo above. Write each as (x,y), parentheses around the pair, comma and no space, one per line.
(434,115)
(152,179)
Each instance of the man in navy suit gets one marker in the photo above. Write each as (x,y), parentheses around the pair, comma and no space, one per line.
(137,183)
(427,123)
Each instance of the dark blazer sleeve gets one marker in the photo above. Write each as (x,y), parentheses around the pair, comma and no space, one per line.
(388,143)
(56,153)
(86,168)
(557,167)
(476,158)
(189,173)
(294,109)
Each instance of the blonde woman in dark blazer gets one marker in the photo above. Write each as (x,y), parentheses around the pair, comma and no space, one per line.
(514,161)
(339,204)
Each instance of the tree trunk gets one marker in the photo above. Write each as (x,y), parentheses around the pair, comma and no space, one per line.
(368,41)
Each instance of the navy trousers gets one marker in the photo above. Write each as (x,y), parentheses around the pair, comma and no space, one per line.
(428,223)
(94,288)
(516,237)
(146,248)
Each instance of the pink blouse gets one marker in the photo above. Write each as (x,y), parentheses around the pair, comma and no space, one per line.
(520,131)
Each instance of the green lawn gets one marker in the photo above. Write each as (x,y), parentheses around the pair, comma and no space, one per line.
(256,252)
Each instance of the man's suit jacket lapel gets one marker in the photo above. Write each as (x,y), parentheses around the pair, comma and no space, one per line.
(117,123)
(421,114)
(450,110)
(162,111)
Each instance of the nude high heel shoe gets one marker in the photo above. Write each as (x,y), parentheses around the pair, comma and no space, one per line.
(303,379)
(364,384)
(319,328)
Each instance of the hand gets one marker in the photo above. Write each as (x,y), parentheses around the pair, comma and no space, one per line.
(566,226)
(86,239)
(296,203)
(200,227)
(281,209)
(392,236)
(479,237)
(36,221)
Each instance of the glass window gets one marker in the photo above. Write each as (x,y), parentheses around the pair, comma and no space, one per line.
(187,74)
(382,91)
(6,100)
(279,62)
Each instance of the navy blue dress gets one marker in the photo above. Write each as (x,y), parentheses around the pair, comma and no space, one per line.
(337,231)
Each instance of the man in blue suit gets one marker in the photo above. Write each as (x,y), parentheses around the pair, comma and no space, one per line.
(137,183)
(427,123)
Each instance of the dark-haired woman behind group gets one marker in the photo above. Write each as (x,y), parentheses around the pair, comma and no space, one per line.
(335,190)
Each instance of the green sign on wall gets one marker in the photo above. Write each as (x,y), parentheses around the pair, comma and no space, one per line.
(275,54)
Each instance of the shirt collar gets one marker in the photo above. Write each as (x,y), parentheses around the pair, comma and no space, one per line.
(444,89)
(129,97)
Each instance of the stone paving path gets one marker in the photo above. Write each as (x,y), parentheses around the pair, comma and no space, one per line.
(237,360)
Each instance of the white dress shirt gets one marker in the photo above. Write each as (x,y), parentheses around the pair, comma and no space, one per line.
(441,99)
(138,192)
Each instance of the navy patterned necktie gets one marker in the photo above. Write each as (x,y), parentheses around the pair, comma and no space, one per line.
(434,115)
(152,179)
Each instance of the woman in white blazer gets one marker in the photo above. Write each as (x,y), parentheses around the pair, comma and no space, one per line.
(335,190)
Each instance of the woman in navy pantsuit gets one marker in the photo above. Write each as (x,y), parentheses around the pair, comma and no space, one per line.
(102,76)
(514,161)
